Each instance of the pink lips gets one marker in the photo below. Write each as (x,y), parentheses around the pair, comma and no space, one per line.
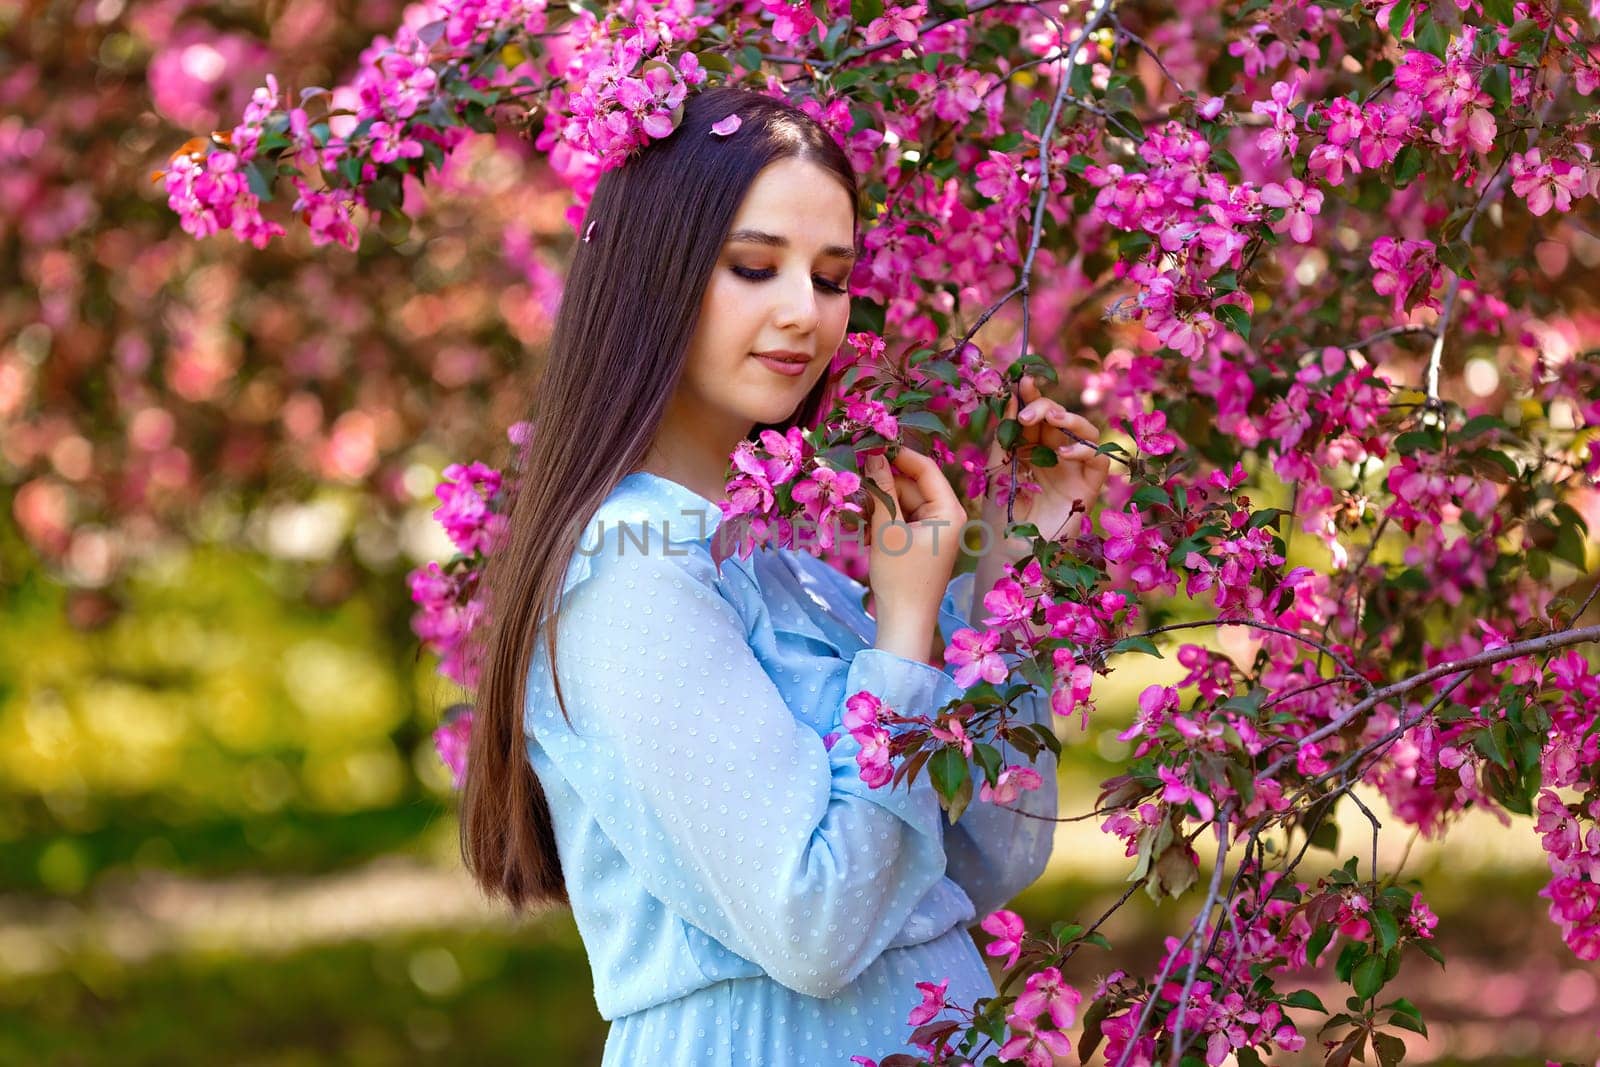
(792,364)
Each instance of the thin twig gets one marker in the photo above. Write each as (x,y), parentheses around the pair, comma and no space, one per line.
(1129,35)
(1384,335)
(1532,646)
(1283,631)
(1200,920)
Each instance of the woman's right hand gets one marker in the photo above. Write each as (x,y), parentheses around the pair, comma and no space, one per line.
(912,554)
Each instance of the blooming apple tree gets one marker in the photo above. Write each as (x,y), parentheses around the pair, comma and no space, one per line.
(1317,270)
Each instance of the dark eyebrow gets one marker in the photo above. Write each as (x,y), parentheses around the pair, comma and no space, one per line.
(760,237)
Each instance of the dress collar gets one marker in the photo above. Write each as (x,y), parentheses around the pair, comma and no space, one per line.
(669,509)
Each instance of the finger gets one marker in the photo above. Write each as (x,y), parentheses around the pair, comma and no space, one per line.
(1072,421)
(1028,387)
(937,496)
(1075,453)
(1052,413)
(1097,473)
(1035,410)
(909,494)
(877,469)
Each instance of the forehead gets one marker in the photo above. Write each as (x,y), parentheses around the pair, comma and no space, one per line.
(798,201)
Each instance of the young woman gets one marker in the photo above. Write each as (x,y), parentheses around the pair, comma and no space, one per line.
(743,896)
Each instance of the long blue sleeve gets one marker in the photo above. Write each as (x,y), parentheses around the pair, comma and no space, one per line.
(727,809)
(991,852)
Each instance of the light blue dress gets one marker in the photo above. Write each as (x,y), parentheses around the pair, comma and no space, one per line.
(743,897)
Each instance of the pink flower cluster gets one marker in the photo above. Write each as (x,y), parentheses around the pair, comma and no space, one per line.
(628,100)
(863,720)
(467,508)
(448,610)
(1406,270)
(772,476)
(1570,832)
(212,192)
(1259,938)
(451,738)
(1553,183)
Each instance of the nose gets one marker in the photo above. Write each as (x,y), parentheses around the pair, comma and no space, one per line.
(797,308)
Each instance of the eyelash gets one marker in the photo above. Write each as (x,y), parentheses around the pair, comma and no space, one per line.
(750,274)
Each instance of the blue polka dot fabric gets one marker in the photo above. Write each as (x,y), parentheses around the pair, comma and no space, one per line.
(743,897)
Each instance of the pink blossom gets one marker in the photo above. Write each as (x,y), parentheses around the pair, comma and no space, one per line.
(1010,784)
(975,656)
(1543,184)
(1150,434)
(901,22)
(464,510)
(1046,992)
(1034,1048)
(1007,928)
(1299,204)
(932,1002)
(451,739)
(1177,791)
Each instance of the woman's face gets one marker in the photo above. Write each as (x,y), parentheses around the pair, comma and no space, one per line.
(779,286)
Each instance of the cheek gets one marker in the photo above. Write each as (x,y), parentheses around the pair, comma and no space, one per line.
(837,321)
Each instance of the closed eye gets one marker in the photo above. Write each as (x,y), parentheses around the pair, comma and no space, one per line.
(750,274)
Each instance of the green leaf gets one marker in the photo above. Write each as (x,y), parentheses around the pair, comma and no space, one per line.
(923,420)
(1416,441)
(1398,16)
(1009,433)
(1043,456)
(1367,978)
(1349,957)
(1390,1049)
(258,182)
(1431,37)
(1048,736)
(989,759)
(1304,998)
(962,798)
(1137,643)
(1570,547)
(1407,165)
(350,170)
(830,43)
(1457,255)
(1388,928)
(1490,742)
(1152,495)
(1326,836)
(1524,30)
(1406,1022)
(1234,318)
(948,769)
(843,458)
(1480,424)
(1318,942)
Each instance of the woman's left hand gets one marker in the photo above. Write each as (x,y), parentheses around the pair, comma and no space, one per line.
(1074,483)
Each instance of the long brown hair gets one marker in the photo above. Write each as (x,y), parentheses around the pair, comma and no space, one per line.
(618,348)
